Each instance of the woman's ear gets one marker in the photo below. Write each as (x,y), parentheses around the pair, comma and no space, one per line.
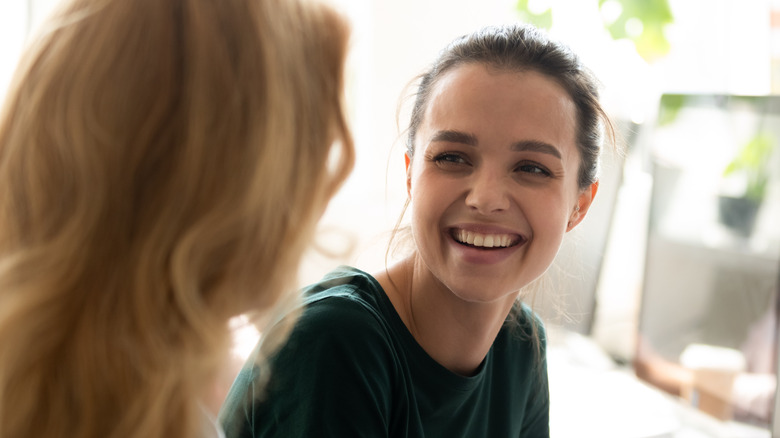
(584,201)
(408,160)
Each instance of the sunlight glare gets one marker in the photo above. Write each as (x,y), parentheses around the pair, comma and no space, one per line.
(634,27)
(610,11)
(539,6)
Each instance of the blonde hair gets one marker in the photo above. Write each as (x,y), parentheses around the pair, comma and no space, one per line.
(163,164)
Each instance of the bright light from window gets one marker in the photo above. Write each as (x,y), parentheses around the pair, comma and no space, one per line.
(610,11)
(13,22)
(634,27)
(539,6)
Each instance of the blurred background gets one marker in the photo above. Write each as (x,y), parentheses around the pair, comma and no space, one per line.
(662,306)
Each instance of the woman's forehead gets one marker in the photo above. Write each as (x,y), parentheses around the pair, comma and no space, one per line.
(500,103)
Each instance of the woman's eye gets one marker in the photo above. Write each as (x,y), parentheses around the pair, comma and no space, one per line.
(534,169)
(450,158)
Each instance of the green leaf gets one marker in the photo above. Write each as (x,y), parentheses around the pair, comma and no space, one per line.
(752,160)
(647,19)
(653,15)
(671,104)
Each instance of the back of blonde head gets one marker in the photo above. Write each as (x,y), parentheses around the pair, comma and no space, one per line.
(162,166)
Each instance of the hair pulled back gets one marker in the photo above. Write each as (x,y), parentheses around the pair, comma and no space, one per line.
(521,48)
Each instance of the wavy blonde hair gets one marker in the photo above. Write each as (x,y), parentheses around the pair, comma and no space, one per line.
(163,164)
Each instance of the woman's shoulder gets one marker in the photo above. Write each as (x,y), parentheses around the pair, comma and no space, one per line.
(524,330)
(338,362)
(340,330)
(344,283)
(345,306)
(524,319)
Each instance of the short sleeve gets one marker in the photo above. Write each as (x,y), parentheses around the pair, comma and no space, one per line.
(333,378)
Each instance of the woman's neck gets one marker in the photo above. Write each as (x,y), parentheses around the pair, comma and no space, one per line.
(456,333)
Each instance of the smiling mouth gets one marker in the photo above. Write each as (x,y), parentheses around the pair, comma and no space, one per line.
(479,240)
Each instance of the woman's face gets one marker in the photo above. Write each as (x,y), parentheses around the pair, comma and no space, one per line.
(493,180)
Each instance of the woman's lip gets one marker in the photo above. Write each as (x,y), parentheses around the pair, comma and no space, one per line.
(486,241)
(486,229)
(483,237)
(475,255)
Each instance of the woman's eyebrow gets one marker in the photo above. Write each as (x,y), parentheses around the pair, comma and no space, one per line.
(454,137)
(450,136)
(537,146)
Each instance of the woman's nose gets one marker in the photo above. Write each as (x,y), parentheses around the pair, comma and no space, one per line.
(487,192)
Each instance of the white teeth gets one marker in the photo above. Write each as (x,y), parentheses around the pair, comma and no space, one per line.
(483,240)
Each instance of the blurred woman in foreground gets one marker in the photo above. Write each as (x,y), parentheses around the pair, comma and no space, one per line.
(163,164)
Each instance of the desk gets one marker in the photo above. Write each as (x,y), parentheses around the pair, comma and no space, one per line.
(591,396)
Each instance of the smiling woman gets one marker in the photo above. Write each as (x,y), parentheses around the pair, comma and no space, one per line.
(516,175)
(501,162)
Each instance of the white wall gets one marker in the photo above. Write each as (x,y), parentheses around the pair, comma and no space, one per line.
(13,22)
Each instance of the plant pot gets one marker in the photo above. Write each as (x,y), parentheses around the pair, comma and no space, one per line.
(739,214)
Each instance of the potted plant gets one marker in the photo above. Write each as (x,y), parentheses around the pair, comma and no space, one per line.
(751,167)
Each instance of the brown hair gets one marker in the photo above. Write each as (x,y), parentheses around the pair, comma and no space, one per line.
(521,48)
(163,164)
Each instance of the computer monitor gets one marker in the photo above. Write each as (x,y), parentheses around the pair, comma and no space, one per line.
(709,300)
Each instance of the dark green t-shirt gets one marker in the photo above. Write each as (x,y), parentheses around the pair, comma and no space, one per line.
(352,369)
